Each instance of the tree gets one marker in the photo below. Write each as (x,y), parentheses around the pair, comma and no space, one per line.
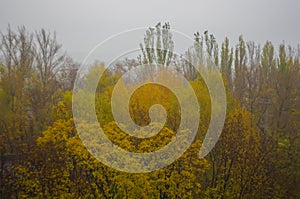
(158,46)
(226,62)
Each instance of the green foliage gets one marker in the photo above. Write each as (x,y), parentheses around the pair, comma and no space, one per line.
(158,46)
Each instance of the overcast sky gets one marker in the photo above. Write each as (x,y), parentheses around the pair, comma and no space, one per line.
(80,25)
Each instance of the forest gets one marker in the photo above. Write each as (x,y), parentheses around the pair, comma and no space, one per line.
(256,156)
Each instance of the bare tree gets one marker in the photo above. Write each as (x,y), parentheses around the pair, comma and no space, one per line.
(49,57)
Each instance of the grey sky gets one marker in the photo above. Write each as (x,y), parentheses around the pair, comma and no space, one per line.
(80,25)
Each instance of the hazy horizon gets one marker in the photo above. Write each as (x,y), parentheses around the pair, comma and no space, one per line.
(81,25)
